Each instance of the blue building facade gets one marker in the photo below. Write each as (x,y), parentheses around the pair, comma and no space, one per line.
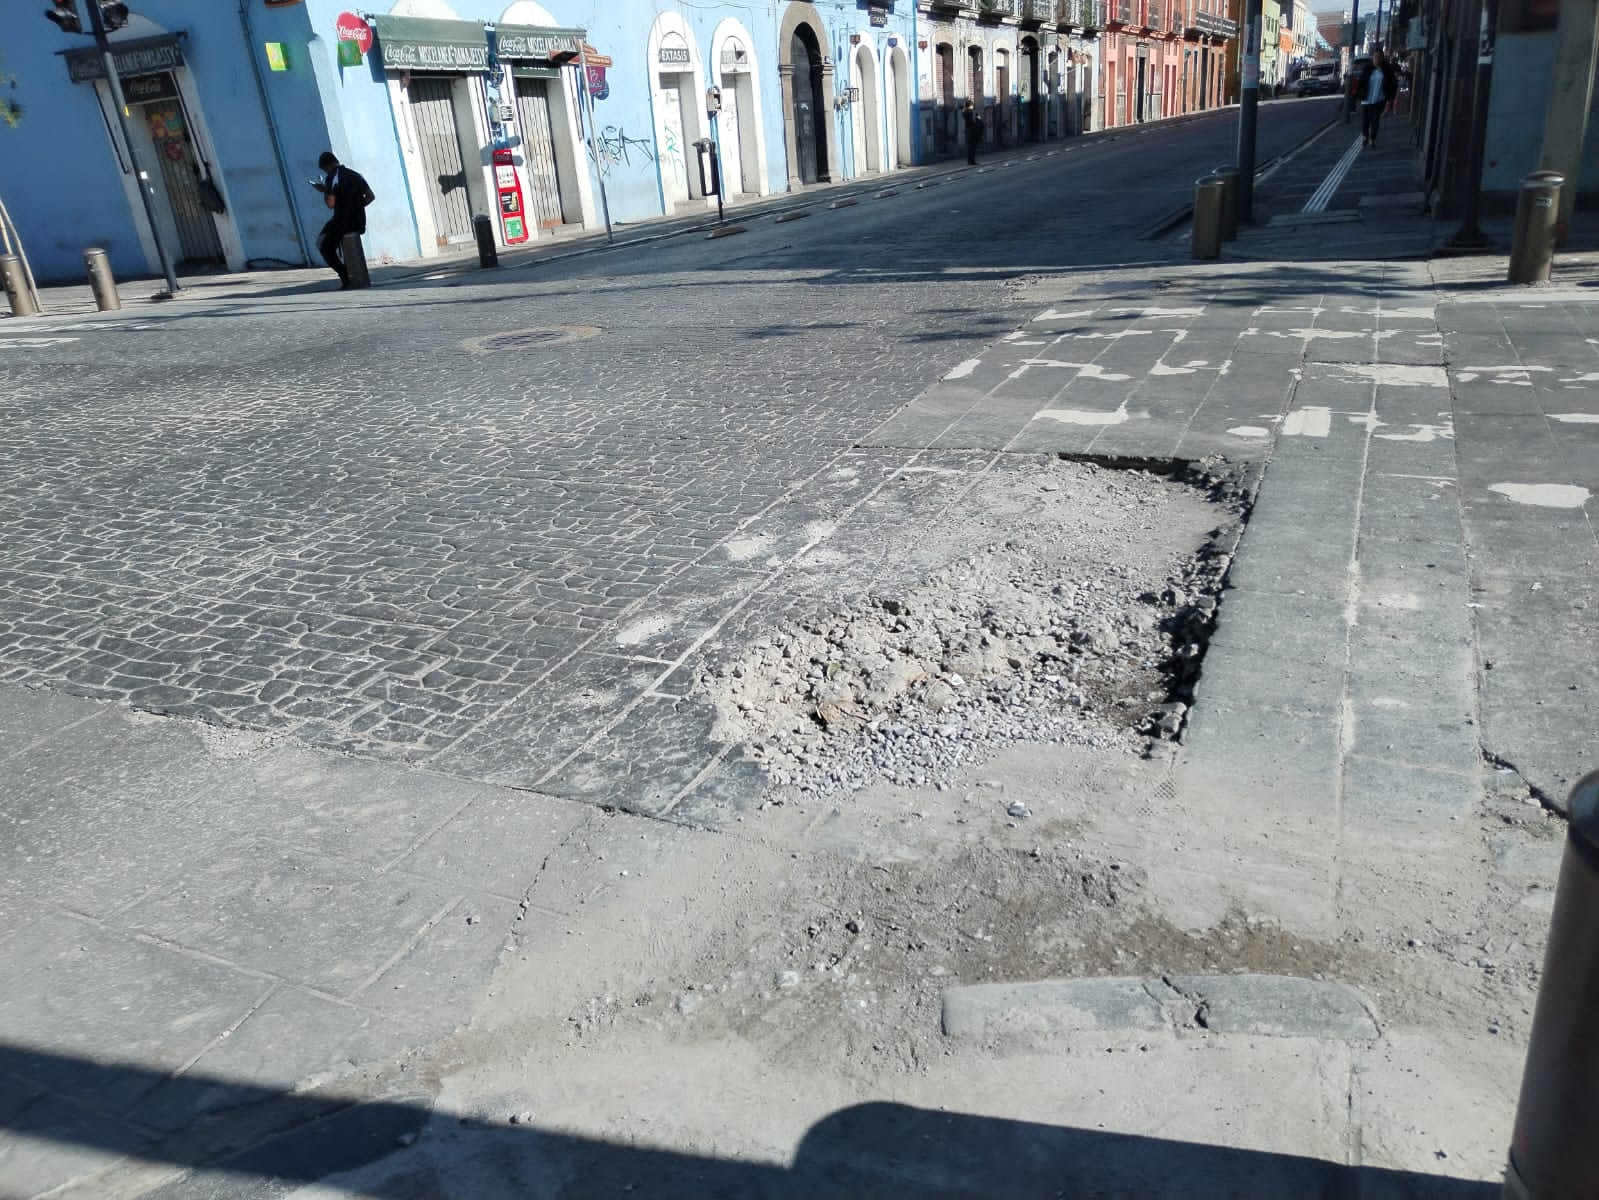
(539,113)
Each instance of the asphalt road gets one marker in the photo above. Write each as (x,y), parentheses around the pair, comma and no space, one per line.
(353,520)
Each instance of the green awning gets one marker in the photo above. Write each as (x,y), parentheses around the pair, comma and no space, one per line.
(532,42)
(424,44)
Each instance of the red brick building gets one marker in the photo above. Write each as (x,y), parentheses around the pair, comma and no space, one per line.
(1162,58)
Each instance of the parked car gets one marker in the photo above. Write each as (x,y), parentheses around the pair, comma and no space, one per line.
(1317,79)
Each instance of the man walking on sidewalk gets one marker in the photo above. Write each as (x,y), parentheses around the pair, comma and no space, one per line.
(348,195)
(974,131)
(1378,85)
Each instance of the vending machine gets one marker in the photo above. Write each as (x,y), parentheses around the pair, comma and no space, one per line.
(512,217)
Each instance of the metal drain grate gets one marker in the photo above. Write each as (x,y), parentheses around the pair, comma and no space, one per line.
(538,338)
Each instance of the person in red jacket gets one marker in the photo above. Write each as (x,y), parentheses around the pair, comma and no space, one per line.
(1376,88)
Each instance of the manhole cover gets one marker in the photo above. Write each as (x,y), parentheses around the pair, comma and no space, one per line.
(539,338)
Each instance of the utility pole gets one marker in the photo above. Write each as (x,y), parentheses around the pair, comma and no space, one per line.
(1248,115)
(1470,235)
(1354,53)
(1570,96)
(97,22)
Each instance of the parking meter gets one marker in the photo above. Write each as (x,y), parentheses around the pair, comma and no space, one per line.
(710,172)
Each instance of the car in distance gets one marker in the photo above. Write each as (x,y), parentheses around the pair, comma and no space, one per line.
(1317,79)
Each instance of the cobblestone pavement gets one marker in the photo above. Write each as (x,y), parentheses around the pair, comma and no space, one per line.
(369,523)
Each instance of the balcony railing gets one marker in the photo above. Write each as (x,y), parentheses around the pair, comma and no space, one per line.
(1215,26)
(1000,8)
(1038,10)
(1080,14)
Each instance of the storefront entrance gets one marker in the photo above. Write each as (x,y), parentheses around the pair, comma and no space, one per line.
(162,129)
(433,111)
(548,202)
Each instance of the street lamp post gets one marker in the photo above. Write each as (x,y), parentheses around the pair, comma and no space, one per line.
(1248,114)
(1470,234)
(97,21)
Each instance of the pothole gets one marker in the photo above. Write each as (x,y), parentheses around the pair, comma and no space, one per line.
(1035,639)
(541,337)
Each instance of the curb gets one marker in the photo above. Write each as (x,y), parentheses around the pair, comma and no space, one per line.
(782,207)
(1264,171)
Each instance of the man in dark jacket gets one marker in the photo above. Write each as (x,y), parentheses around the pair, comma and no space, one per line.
(1376,89)
(348,195)
(974,131)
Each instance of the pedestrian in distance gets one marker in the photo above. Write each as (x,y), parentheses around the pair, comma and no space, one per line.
(974,131)
(346,192)
(1377,88)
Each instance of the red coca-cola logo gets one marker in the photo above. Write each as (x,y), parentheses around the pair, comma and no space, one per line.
(352,28)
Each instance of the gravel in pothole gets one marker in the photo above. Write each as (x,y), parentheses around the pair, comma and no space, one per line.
(1085,625)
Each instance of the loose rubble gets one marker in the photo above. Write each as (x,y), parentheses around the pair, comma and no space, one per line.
(1025,641)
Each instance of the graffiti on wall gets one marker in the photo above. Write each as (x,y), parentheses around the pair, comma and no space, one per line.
(616,149)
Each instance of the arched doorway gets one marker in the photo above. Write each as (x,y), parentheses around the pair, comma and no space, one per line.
(678,103)
(976,92)
(806,75)
(810,109)
(167,122)
(1002,101)
(945,132)
(739,128)
(1032,105)
(866,120)
(899,109)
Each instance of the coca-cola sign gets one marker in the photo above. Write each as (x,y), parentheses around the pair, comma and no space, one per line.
(352,28)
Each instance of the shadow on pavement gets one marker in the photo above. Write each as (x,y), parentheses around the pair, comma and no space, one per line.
(880,1150)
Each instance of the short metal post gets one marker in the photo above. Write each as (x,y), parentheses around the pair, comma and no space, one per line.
(101,282)
(355,261)
(1532,245)
(1206,240)
(487,254)
(1229,202)
(1553,1153)
(16,285)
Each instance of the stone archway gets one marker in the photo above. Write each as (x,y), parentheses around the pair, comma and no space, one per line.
(802,26)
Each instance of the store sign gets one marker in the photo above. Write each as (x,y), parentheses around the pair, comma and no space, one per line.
(527,42)
(674,52)
(352,28)
(145,56)
(141,89)
(878,13)
(735,58)
(423,44)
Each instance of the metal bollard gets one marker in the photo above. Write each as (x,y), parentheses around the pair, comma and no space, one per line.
(16,285)
(355,261)
(1553,1153)
(1229,202)
(1206,240)
(487,254)
(1532,245)
(101,282)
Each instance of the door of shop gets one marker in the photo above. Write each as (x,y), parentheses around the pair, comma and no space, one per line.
(434,112)
(538,151)
(164,128)
(808,132)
